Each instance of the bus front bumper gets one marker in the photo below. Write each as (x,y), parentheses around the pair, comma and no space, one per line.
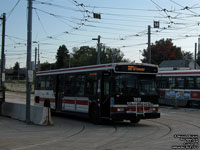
(119,116)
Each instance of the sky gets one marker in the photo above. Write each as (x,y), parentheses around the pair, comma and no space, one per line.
(123,24)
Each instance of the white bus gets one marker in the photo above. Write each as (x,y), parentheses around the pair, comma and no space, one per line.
(118,91)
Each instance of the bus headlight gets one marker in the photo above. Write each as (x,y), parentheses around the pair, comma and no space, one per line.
(155,109)
(120,109)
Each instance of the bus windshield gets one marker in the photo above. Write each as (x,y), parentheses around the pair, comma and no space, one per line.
(147,85)
(134,85)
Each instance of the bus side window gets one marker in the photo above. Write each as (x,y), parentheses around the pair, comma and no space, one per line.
(41,83)
(106,87)
(80,85)
(190,83)
(198,82)
(162,83)
(172,82)
(49,82)
(69,87)
(180,83)
(91,86)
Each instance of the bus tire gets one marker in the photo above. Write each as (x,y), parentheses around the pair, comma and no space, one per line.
(136,120)
(95,115)
(189,104)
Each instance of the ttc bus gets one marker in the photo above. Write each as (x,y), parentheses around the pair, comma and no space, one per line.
(179,87)
(118,91)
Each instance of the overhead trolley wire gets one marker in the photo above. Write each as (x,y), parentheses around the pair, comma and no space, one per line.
(12,10)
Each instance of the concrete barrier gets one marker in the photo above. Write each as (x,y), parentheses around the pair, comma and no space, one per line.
(39,115)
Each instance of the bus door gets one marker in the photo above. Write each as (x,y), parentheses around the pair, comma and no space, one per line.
(59,92)
(69,93)
(105,95)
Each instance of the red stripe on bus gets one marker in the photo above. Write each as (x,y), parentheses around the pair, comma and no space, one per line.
(74,69)
(177,73)
(78,102)
(68,101)
(50,99)
(82,102)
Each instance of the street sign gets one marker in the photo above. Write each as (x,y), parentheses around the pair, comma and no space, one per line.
(156,24)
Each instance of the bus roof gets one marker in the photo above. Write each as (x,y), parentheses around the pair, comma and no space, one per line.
(89,68)
(179,73)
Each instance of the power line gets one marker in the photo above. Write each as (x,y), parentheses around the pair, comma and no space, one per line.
(118,8)
(11,11)
(40,22)
(55,5)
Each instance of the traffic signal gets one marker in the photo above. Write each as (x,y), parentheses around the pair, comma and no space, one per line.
(96,16)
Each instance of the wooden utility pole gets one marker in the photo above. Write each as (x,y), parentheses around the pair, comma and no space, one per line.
(3,56)
(29,72)
(149,44)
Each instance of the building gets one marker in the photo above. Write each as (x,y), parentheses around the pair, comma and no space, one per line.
(178,65)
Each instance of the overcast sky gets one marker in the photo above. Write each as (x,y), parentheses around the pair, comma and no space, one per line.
(123,25)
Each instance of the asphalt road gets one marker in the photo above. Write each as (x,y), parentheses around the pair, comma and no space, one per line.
(175,128)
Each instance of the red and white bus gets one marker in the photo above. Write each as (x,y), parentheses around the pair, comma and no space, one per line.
(118,91)
(179,87)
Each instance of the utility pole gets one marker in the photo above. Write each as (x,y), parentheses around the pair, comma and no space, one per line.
(29,73)
(35,68)
(149,44)
(38,66)
(198,53)
(195,56)
(98,49)
(3,55)
(35,59)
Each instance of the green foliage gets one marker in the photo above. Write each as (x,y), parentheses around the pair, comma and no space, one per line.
(109,55)
(187,55)
(16,68)
(47,66)
(86,55)
(163,50)
(83,56)
(62,57)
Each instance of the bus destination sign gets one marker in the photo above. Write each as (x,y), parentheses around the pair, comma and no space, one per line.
(136,68)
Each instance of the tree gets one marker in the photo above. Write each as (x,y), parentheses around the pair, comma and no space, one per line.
(86,55)
(62,57)
(47,66)
(109,55)
(16,68)
(162,50)
(187,55)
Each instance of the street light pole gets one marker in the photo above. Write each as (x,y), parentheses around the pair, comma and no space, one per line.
(98,49)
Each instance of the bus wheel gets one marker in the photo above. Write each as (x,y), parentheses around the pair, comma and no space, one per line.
(189,104)
(136,120)
(94,114)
